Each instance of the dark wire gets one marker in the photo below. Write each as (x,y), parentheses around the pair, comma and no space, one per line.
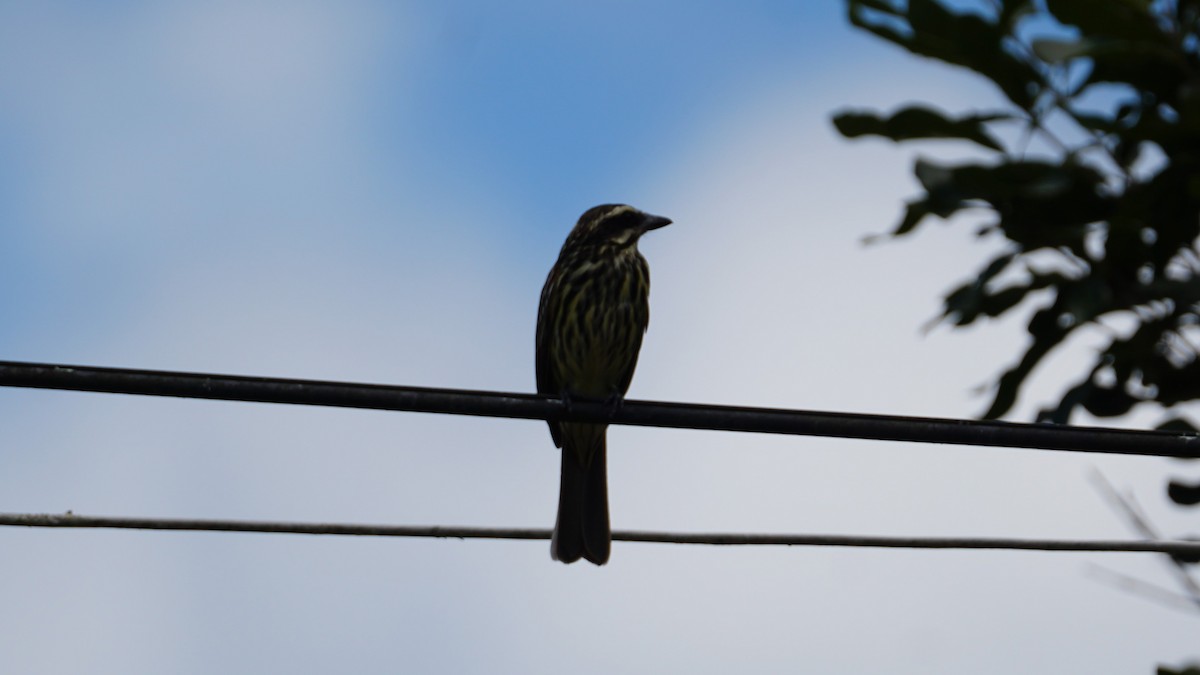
(639,413)
(71,520)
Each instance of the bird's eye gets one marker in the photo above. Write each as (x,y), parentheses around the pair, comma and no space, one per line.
(620,222)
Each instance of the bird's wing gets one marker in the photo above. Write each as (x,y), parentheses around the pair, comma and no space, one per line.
(547,383)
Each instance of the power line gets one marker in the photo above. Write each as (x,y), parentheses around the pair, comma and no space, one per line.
(71,520)
(639,413)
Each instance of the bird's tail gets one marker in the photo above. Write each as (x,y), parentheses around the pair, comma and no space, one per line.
(582,529)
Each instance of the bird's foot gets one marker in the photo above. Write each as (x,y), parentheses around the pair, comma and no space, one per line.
(614,402)
(568,402)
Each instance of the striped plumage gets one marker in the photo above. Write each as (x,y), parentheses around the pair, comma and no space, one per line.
(593,312)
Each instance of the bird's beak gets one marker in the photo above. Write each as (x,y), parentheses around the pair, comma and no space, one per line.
(654,222)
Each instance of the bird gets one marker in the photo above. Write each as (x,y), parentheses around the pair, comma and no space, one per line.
(593,312)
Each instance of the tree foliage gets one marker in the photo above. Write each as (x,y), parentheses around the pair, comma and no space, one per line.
(1101,229)
(1186,670)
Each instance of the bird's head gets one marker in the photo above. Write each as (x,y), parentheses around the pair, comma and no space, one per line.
(615,225)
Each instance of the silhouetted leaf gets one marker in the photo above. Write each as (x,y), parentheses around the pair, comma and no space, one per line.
(1108,18)
(1061,51)
(1185,559)
(913,215)
(928,28)
(967,302)
(1061,413)
(1039,203)
(1150,67)
(1011,11)
(1183,494)
(1010,382)
(1185,670)
(1108,402)
(918,122)
(1177,425)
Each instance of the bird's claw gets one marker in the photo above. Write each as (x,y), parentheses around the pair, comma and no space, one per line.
(614,402)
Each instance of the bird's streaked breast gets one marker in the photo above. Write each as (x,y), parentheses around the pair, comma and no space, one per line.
(594,343)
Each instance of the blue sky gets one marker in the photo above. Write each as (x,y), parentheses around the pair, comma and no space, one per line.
(375,192)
